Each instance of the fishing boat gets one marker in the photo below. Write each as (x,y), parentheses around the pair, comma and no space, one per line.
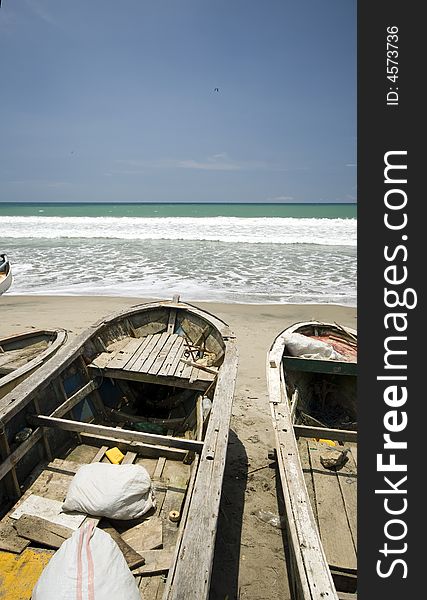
(5,274)
(22,353)
(311,374)
(154,383)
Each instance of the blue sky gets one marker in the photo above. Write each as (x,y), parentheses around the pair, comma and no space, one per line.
(103,100)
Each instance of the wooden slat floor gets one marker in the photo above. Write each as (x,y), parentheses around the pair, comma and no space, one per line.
(160,355)
(333,495)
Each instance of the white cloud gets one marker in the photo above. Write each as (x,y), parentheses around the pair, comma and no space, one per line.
(281,199)
(211,164)
(215,162)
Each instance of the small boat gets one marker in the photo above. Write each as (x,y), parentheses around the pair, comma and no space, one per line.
(311,374)
(155,382)
(21,354)
(5,274)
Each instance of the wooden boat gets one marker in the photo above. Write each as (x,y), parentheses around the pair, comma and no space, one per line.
(157,382)
(5,274)
(313,407)
(21,354)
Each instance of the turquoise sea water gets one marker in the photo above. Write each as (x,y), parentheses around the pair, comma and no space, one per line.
(255,253)
(329,211)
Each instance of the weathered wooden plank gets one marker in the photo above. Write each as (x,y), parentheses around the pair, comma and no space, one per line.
(148,450)
(156,561)
(176,349)
(172,502)
(49,509)
(333,524)
(66,467)
(171,320)
(200,385)
(151,588)
(162,355)
(101,361)
(133,558)
(175,360)
(304,457)
(200,367)
(347,479)
(124,434)
(100,454)
(73,400)
(11,484)
(14,457)
(122,356)
(10,541)
(353,448)
(180,366)
(342,435)
(347,596)
(129,458)
(42,531)
(138,359)
(147,535)
(186,373)
(140,350)
(159,467)
(144,366)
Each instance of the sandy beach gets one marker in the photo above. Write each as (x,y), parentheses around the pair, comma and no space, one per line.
(250,555)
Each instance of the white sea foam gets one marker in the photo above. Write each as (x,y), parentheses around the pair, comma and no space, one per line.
(329,232)
(255,260)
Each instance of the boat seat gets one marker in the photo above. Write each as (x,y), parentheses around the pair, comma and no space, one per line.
(159,358)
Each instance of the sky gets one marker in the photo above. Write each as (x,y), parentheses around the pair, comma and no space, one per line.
(116,101)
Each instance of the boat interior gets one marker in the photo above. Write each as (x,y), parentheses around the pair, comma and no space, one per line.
(27,543)
(17,351)
(145,385)
(324,413)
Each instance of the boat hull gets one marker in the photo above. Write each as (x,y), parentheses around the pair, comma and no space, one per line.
(61,400)
(22,354)
(5,274)
(291,384)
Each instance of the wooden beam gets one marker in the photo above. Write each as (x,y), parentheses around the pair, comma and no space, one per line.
(343,435)
(144,450)
(112,433)
(10,462)
(171,320)
(196,365)
(200,385)
(12,484)
(73,400)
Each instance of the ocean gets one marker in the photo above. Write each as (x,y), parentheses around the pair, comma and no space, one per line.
(250,253)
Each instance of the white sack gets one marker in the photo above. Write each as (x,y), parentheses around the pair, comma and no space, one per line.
(89,565)
(114,491)
(304,346)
